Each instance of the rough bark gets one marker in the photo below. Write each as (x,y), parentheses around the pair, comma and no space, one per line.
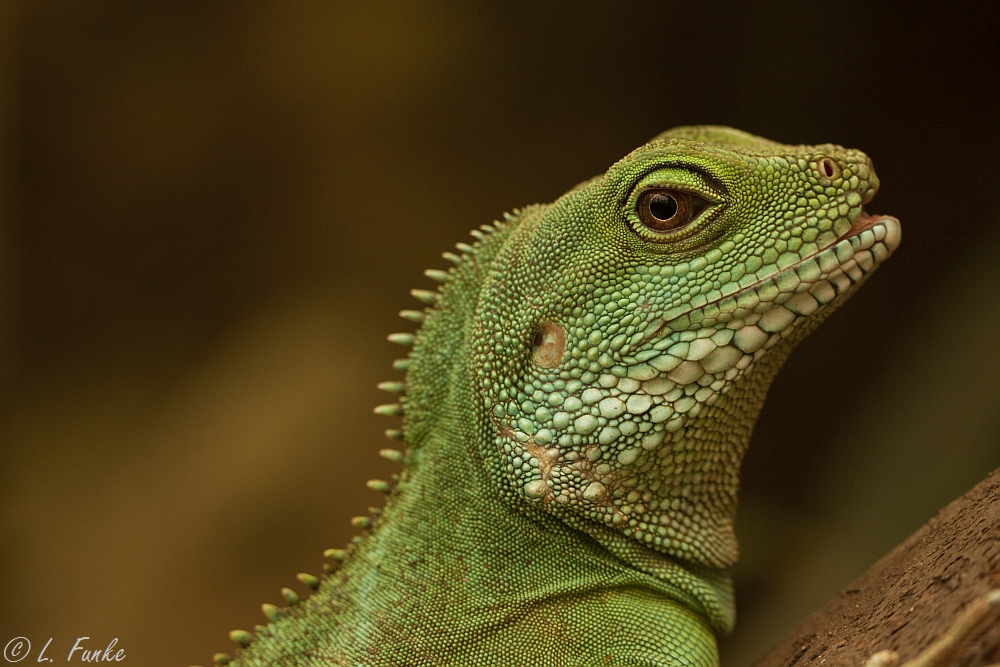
(911,596)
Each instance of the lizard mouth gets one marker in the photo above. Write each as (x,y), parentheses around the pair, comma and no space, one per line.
(826,275)
(864,221)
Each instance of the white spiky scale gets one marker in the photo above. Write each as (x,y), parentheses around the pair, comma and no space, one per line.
(378,485)
(241,637)
(393,387)
(437,275)
(389,410)
(417,316)
(425,296)
(273,613)
(405,339)
(393,455)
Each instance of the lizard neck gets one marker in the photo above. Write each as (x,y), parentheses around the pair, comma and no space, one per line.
(451,553)
(451,550)
(448,508)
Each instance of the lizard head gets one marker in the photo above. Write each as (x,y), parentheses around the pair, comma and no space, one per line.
(626,334)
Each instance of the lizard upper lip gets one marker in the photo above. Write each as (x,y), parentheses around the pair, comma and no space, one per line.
(864,221)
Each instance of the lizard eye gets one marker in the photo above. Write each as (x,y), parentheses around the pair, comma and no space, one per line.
(664,211)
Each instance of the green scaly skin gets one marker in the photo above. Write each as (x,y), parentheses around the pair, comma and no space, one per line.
(577,404)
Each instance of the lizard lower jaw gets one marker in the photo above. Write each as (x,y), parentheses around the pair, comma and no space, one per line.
(842,265)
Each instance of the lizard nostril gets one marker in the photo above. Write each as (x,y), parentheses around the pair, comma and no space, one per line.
(548,345)
(827,168)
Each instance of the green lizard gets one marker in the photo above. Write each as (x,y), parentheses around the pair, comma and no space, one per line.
(577,403)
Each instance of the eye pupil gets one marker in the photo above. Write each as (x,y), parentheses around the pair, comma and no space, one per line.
(663,206)
(662,211)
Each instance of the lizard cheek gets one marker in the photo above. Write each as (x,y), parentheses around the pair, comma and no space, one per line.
(548,345)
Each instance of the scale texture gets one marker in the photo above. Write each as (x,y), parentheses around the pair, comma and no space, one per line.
(577,402)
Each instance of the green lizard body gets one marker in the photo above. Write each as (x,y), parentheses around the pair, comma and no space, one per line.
(577,403)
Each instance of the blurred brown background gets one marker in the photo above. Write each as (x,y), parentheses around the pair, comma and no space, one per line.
(211,213)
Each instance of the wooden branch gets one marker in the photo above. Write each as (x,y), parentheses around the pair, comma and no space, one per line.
(911,597)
